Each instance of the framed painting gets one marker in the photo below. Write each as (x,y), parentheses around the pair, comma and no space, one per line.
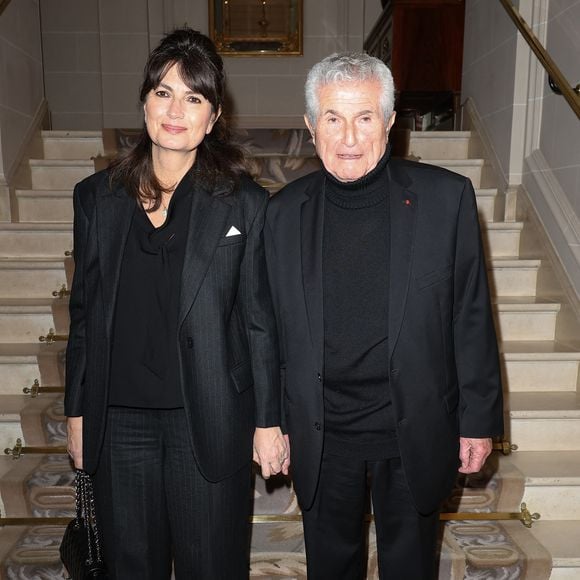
(256,27)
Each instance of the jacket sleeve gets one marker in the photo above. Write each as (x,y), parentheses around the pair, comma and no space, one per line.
(271,261)
(476,354)
(76,347)
(260,323)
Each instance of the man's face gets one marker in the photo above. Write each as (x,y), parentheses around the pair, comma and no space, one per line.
(351,133)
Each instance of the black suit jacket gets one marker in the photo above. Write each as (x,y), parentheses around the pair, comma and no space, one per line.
(443,359)
(229,364)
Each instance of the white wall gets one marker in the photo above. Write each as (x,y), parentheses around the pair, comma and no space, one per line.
(533,134)
(95,52)
(21,86)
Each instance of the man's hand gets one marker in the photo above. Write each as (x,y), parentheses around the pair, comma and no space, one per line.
(271,451)
(74,440)
(473,453)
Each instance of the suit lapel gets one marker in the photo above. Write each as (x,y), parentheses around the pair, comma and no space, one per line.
(207,224)
(403,212)
(312,228)
(114,214)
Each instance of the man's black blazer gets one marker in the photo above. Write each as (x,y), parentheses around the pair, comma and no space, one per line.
(227,344)
(443,359)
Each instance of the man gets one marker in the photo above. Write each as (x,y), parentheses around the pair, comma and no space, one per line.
(389,355)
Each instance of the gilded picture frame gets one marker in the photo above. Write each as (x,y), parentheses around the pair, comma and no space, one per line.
(256,27)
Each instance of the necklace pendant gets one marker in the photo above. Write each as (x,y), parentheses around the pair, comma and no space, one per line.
(164,212)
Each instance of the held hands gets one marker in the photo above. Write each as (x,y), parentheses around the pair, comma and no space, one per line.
(271,451)
(473,453)
(74,443)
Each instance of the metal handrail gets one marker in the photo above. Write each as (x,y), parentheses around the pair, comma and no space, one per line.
(572,95)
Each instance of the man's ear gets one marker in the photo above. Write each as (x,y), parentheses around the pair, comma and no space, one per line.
(391,121)
(310,128)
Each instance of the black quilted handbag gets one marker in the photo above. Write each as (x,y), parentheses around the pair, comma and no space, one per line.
(80,550)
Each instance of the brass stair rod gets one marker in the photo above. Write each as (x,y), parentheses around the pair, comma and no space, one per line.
(20,449)
(52,337)
(35,389)
(505,446)
(38,521)
(524,516)
(62,292)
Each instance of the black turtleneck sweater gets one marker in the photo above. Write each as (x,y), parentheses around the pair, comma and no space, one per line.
(358,412)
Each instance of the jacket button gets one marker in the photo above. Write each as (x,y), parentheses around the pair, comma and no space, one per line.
(317,426)
(319,377)
(189,342)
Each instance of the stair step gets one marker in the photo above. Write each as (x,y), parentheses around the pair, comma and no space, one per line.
(544,421)
(552,480)
(31,278)
(528,319)
(475,169)
(562,540)
(59,174)
(18,240)
(440,144)
(45,205)
(72,144)
(21,364)
(513,277)
(25,319)
(501,239)
(540,366)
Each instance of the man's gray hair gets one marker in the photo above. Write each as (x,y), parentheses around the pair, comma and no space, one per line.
(347,67)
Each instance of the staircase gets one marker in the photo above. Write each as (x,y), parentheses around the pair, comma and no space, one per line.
(540,377)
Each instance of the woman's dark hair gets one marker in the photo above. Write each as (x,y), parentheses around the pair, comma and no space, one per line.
(218,160)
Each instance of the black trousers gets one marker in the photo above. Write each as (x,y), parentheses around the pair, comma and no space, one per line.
(155,508)
(334,528)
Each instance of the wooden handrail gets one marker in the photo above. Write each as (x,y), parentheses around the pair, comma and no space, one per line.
(572,95)
(3,4)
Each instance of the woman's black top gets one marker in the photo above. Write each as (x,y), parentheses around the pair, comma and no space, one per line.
(144,364)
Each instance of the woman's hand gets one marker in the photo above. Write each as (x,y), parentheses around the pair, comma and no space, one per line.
(271,451)
(74,440)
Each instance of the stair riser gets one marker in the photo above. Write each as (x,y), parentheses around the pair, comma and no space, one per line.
(540,376)
(554,502)
(513,281)
(44,177)
(486,208)
(501,243)
(545,434)
(559,573)
(30,283)
(24,327)
(43,209)
(15,377)
(10,430)
(72,148)
(431,148)
(35,244)
(473,172)
(526,325)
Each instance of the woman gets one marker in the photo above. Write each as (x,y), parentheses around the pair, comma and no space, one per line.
(172,361)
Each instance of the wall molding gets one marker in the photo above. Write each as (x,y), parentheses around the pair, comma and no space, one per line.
(555,213)
(476,122)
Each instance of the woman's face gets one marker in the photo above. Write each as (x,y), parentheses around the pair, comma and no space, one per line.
(177,119)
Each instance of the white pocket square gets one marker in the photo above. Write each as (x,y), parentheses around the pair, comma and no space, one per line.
(233,231)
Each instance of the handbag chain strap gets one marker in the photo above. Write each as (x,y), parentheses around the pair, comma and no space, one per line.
(86,508)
